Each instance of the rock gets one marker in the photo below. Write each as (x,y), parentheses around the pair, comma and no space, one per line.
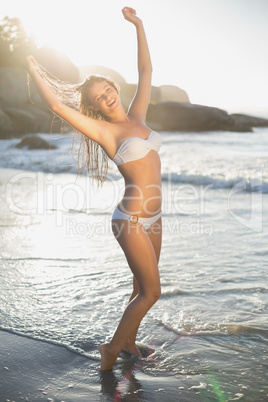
(6,125)
(169,109)
(84,71)
(251,120)
(175,116)
(127,92)
(15,122)
(163,93)
(58,64)
(171,93)
(18,115)
(22,120)
(13,87)
(35,142)
(42,118)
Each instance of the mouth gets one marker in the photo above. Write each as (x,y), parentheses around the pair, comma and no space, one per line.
(111,103)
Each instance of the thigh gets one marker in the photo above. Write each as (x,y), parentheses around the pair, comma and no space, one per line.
(155,235)
(139,251)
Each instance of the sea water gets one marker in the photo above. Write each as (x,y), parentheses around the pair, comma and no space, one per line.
(65,280)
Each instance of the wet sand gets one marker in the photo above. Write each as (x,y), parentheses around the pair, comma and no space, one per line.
(32,370)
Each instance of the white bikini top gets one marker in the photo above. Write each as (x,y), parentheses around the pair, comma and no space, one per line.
(134,148)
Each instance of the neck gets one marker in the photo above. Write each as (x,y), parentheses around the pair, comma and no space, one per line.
(118,116)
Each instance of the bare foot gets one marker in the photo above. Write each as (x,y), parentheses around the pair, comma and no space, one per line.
(146,350)
(132,349)
(107,359)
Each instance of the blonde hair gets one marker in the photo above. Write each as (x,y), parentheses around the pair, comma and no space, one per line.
(91,155)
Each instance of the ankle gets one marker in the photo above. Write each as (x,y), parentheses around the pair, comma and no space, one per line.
(130,342)
(109,350)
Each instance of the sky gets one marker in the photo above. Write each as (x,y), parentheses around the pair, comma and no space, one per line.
(216,50)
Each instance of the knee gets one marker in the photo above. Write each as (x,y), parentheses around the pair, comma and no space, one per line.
(157,293)
(154,294)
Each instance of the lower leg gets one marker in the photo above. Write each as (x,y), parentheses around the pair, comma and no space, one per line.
(131,319)
(130,345)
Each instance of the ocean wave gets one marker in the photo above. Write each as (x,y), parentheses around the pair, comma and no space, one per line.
(217,330)
(237,290)
(57,260)
(238,329)
(219,291)
(173,292)
(238,183)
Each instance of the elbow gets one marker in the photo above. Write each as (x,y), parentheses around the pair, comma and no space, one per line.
(56,108)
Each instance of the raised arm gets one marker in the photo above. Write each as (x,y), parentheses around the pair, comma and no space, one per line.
(94,129)
(139,106)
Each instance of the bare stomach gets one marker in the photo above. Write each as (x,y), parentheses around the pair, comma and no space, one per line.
(143,196)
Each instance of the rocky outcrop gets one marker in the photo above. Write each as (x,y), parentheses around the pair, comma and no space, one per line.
(18,115)
(58,64)
(34,142)
(84,71)
(6,125)
(174,116)
(13,87)
(169,109)
(171,93)
(244,119)
(163,93)
(22,114)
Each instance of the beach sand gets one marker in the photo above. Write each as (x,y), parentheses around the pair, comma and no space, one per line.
(33,370)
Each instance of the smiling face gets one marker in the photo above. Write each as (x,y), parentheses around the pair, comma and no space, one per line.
(103,97)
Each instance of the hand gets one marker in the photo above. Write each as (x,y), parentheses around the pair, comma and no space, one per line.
(29,63)
(130,15)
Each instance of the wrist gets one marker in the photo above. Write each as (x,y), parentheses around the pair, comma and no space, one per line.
(138,23)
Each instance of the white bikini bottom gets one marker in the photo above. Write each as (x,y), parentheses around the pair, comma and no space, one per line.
(146,222)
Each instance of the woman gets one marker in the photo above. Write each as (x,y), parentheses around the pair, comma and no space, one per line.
(126,139)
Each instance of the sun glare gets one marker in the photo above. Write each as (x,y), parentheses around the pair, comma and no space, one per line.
(189,43)
(75,31)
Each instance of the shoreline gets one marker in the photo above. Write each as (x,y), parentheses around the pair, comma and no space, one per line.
(37,370)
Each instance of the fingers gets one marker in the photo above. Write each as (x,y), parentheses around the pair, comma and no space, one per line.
(130,15)
(128,12)
(28,63)
(30,59)
(128,9)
